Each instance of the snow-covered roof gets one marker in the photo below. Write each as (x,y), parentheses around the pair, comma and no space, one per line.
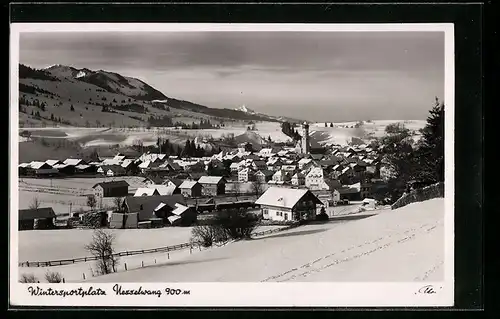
(281,197)
(23,165)
(52,162)
(37,165)
(179,209)
(173,218)
(346,170)
(72,161)
(164,189)
(210,179)
(143,191)
(58,166)
(188,184)
(145,164)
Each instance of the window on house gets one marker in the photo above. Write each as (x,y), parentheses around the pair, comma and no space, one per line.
(266,212)
(286,216)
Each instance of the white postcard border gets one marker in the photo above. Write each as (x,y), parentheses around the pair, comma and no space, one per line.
(333,294)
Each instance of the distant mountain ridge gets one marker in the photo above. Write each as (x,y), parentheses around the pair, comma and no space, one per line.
(116,93)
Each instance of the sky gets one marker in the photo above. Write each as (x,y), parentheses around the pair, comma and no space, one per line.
(314,76)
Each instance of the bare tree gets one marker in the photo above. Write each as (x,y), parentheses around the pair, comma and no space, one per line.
(257,188)
(35,203)
(102,247)
(237,188)
(91,202)
(117,201)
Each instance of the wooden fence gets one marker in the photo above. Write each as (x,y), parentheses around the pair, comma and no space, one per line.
(62,262)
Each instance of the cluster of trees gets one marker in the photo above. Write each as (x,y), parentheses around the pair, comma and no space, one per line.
(36,103)
(326,124)
(409,161)
(289,130)
(226,225)
(191,150)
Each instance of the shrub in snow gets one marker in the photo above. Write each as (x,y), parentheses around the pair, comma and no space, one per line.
(207,235)
(53,277)
(28,278)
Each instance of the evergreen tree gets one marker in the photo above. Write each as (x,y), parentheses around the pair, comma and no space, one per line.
(331,124)
(51,117)
(192,149)
(187,148)
(326,124)
(431,145)
(72,108)
(32,113)
(42,106)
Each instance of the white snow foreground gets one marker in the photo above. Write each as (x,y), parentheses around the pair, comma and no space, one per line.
(403,245)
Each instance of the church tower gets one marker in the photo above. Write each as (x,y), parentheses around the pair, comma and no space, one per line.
(305,145)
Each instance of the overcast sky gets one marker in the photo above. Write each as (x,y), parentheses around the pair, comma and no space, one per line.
(317,76)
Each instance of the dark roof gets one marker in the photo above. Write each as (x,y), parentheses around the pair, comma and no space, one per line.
(316,156)
(267,172)
(177,182)
(29,214)
(149,203)
(154,179)
(344,191)
(112,184)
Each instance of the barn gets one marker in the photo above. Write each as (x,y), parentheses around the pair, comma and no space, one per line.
(111,189)
(38,218)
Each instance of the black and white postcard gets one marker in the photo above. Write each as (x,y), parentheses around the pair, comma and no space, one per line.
(231,164)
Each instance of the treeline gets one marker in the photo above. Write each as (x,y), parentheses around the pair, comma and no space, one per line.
(289,130)
(25,72)
(410,161)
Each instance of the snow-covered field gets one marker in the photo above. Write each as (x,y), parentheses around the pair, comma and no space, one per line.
(341,133)
(406,244)
(45,245)
(89,137)
(59,193)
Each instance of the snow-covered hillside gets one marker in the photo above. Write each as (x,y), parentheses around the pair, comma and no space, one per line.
(342,132)
(403,245)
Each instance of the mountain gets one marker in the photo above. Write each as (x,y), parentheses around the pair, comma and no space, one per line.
(84,97)
(110,81)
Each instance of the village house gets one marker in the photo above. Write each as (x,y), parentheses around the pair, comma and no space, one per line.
(287,204)
(85,169)
(258,165)
(246,175)
(41,169)
(213,185)
(264,176)
(53,162)
(298,179)
(112,170)
(235,167)
(290,169)
(149,208)
(280,177)
(304,163)
(39,218)
(111,189)
(274,164)
(190,189)
(66,169)
(74,162)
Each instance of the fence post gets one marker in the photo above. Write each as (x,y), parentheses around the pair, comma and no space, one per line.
(83,276)
(125,266)
(64,281)
(155,260)
(142,263)
(168,255)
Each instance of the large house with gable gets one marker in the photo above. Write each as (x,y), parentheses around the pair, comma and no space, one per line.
(288,204)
